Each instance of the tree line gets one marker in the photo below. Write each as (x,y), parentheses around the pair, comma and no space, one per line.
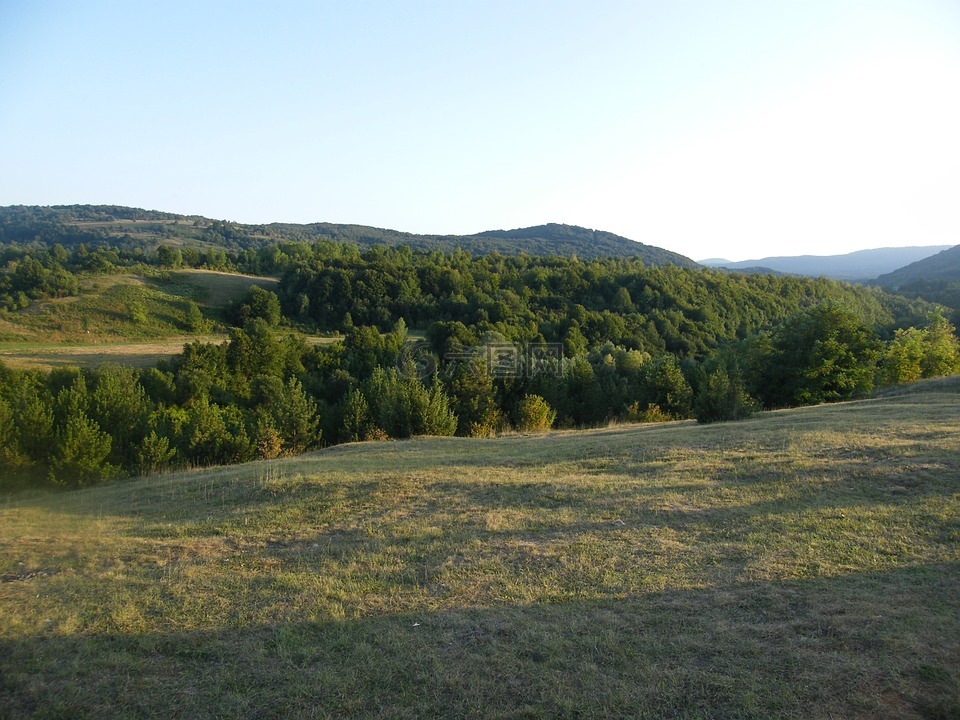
(267,393)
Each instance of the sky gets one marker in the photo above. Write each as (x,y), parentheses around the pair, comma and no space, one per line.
(727,129)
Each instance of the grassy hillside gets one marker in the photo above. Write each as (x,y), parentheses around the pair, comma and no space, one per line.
(215,290)
(802,564)
(128,319)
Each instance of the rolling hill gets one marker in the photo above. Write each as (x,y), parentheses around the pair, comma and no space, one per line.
(107,224)
(944,266)
(800,564)
(855,266)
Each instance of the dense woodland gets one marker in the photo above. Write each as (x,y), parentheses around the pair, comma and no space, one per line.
(499,342)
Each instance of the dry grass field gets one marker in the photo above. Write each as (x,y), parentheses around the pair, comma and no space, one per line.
(800,564)
(38,356)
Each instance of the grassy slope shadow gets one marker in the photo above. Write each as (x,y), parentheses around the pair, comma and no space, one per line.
(801,648)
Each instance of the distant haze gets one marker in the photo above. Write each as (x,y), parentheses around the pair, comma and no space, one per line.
(859,265)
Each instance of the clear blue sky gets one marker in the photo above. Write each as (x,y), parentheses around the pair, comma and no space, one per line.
(731,129)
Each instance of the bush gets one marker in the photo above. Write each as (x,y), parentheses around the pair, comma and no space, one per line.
(80,453)
(154,454)
(534,414)
(722,397)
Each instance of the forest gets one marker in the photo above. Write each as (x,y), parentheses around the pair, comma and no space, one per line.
(443,343)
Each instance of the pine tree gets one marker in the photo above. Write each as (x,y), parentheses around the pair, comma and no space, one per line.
(80,453)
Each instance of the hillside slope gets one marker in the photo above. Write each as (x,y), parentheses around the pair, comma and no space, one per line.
(800,564)
(108,224)
(944,265)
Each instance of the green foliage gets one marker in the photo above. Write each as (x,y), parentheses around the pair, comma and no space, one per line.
(296,418)
(650,414)
(260,304)
(933,351)
(193,319)
(823,354)
(8,435)
(170,257)
(402,406)
(474,397)
(355,414)
(120,406)
(903,360)
(137,313)
(534,414)
(666,387)
(33,409)
(942,349)
(215,435)
(641,341)
(722,396)
(80,453)
(154,453)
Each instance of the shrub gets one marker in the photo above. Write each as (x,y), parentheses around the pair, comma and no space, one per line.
(534,414)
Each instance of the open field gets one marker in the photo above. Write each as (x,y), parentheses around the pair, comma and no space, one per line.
(125,319)
(216,290)
(129,308)
(33,356)
(109,309)
(801,564)
(41,356)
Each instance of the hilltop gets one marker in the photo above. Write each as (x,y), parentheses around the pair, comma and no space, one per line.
(944,266)
(799,564)
(935,279)
(134,227)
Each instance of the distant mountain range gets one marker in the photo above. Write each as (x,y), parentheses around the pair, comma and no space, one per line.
(115,225)
(944,266)
(120,226)
(856,266)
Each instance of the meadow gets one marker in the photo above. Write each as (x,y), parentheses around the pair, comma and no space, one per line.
(800,564)
(128,319)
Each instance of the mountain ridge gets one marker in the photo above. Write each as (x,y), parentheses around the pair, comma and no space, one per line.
(944,265)
(859,265)
(111,224)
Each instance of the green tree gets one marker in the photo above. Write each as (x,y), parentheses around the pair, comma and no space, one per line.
(941,348)
(474,399)
(169,256)
(822,354)
(154,453)
(119,405)
(722,396)
(402,406)
(297,419)
(80,453)
(261,304)
(34,420)
(8,435)
(664,384)
(355,411)
(904,356)
(534,414)
(193,319)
